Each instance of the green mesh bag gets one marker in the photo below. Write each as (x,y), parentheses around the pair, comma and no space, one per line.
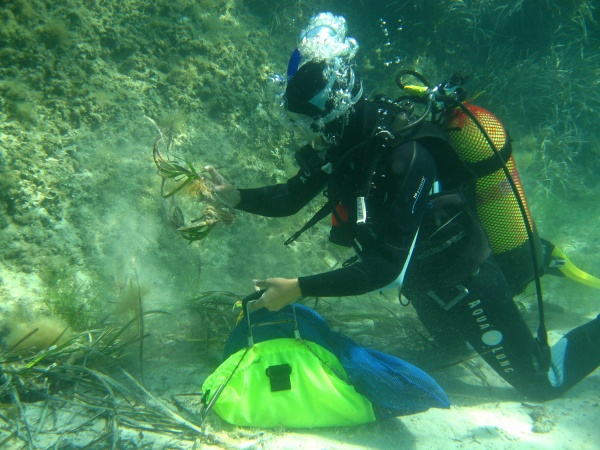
(286,382)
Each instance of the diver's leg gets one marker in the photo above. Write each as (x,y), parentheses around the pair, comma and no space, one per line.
(576,355)
(445,333)
(492,324)
(487,318)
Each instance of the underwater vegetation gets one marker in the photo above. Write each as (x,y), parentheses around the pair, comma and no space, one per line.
(72,75)
(215,313)
(78,200)
(84,366)
(535,64)
(80,196)
(184,176)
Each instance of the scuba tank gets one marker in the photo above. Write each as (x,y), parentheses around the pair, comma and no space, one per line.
(497,205)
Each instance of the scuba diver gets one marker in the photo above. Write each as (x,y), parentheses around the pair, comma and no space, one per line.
(423,199)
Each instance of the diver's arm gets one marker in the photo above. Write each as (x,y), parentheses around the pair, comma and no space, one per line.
(365,276)
(279,292)
(357,279)
(223,188)
(347,281)
(272,201)
(282,199)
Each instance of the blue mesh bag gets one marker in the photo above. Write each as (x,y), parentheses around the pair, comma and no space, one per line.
(393,386)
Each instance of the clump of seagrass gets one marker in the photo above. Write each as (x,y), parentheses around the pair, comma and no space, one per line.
(63,396)
(215,315)
(179,177)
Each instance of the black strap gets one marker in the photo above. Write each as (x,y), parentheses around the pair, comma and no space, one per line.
(491,164)
(320,214)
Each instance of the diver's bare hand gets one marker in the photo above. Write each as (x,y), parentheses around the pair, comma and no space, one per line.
(223,188)
(279,293)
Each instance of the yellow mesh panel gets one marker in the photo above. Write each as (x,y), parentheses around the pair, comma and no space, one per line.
(499,211)
(497,206)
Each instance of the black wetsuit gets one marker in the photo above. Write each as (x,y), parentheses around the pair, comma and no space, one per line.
(397,199)
(458,290)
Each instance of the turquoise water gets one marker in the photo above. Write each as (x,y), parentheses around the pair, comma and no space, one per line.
(82,223)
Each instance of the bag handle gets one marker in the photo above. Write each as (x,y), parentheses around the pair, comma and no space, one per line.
(247,304)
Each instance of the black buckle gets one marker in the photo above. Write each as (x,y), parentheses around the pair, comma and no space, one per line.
(280,377)
(448,302)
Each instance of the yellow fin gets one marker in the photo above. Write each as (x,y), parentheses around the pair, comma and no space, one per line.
(571,271)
